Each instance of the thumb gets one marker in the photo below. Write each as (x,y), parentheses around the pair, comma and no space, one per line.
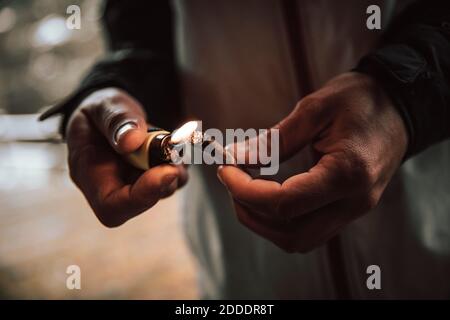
(291,135)
(119,117)
(301,126)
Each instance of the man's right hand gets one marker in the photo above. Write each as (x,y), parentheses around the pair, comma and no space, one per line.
(107,124)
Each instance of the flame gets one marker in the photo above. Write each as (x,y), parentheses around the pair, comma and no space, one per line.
(184,133)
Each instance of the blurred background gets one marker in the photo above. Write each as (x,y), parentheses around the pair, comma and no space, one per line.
(45,223)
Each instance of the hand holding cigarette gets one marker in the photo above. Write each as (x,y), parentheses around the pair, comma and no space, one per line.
(108,124)
(360,140)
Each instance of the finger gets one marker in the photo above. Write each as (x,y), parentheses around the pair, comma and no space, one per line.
(304,233)
(261,195)
(326,182)
(290,135)
(323,184)
(99,173)
(265,229)
(256,151)
(126,202)
(116,206)
(179,182)
(158,182)
(302,125)
(119,118)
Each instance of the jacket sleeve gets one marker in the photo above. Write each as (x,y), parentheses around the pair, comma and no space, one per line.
(139,60)
(413,65)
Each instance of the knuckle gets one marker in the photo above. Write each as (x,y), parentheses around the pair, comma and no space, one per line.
(361,173)
(310,105)
(105,104)
(113,99)
(92,105)
(366,178)
(315,107)
(104,97)
(311,102)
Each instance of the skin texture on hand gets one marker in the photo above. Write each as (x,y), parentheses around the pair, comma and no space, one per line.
(106,125)
(359,140)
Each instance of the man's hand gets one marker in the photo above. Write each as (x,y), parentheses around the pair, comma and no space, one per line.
(109,123)
(359,140)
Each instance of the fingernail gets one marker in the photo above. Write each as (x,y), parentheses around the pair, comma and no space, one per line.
(168,183)
(124,128)
(219,169)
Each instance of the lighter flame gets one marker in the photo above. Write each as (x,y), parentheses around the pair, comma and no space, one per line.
(184,133)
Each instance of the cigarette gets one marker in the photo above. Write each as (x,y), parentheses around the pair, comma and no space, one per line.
(226,155)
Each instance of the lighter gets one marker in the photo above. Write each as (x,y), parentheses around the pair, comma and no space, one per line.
(160,145)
